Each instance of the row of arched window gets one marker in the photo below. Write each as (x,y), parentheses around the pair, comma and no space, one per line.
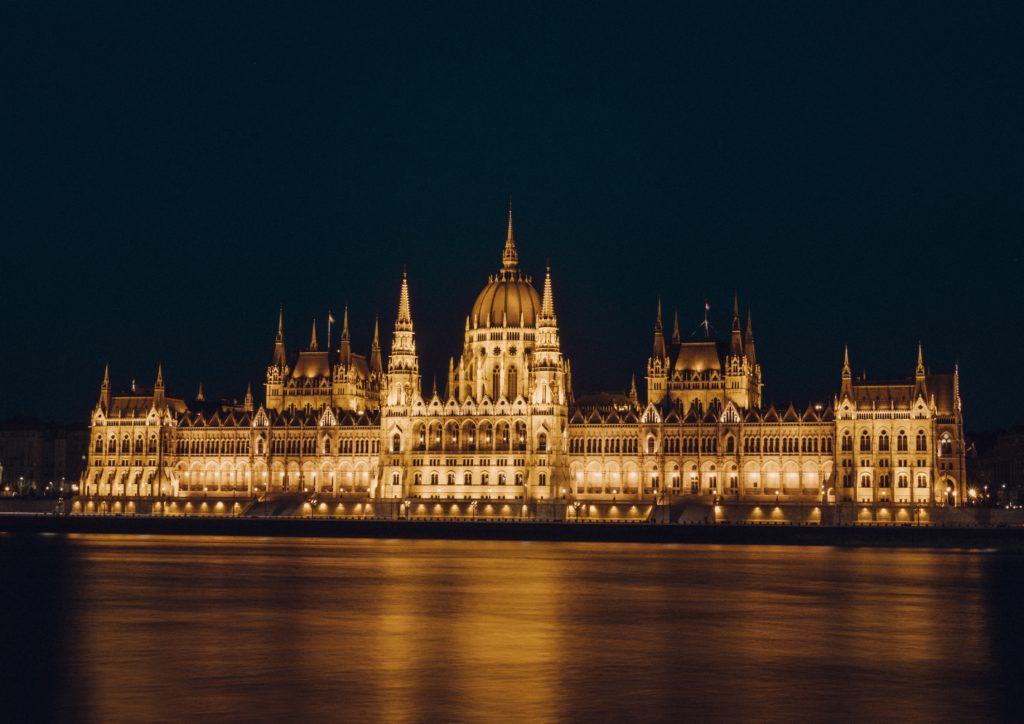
(467,478)
(126,445)
(608,446)
(884,443)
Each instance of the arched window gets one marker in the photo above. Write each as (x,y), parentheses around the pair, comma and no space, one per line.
(467,478)
(542,442)
(730,444)
(865,481)
(99,444)
(501,478)
(847,442)
(519,478)
(484,478)
(883,441)
(650,446)
(152,445)
(922,442)
(902,481)
(865,442)
(433,478)
(327,446)
(259,446)
(126,444)
(451,478)
(396,443)
(417,479)
(946,446)
(138,444)
(496,383)
(512,381)
(901,441)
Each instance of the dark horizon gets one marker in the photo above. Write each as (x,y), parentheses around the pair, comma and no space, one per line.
(176,174)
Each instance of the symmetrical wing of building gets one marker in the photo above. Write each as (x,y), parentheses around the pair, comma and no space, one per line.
(339,426)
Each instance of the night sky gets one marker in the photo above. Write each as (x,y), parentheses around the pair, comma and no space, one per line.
(171,175)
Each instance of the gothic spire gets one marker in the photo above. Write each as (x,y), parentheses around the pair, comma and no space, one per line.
(847,374)
(312,339)
(676,338)
(199,395)
(280,358)
(247,403)
(749,345)
(105,388)
(510,256)
(346,341)
(547,306)
(736,341)
(658,348)
(404,314)
(375,361)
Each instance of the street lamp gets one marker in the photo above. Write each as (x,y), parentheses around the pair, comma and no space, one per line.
(408,508)
(576,506)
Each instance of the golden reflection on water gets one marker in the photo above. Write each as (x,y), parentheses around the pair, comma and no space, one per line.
(395,631)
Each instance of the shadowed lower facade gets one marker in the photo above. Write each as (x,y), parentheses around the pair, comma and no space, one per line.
(506,436)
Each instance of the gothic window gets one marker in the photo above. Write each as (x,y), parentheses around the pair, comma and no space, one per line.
(922,481)
(902,481)
(512,380)
(417,479)
(542,442)
(883,442)
(901,441)
(327,446)
(847,442)
(484,478)
(922,443)
(99,444)
(713,482)
(946,446)
(734,482)
(496,382)
(519,478)
(865,481)
(650,446)
(433,478)
(501,478)
(865,442)
(152,445)
(125,444)
(396,443)
(467,478)
(847,480)
(730,444)
(542,479)
(451,478)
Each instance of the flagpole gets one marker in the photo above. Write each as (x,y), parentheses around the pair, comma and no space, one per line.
(329,320)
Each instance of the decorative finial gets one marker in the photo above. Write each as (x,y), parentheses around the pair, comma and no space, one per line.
(510,256)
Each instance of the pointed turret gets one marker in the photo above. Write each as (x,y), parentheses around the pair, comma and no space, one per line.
(510,256)
(247,403)
(658,348)
(847,386)
(676,337)
(736,340)
(345,352)
(403,364)
(450,392)
(199,394)
(375,362)
(634,397)
(280,358)
(749,342)
(158,386)
(547,305)
(920,374)
(105,389)
(313,347)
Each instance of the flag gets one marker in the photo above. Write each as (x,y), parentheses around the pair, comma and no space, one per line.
(330,318)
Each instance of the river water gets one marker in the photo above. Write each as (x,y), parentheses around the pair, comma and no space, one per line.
(140,629)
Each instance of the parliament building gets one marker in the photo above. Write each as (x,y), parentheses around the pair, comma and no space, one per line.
(338,433)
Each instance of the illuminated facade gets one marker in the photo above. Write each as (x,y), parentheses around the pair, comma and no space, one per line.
(507,432)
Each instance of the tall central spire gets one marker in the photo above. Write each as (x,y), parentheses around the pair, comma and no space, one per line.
(510,256)
(404,313)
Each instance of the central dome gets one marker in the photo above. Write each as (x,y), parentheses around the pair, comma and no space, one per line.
(508,294)
(504,298)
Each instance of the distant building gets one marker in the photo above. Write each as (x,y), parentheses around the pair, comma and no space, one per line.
(996,465)
(506,427)
(39,457)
